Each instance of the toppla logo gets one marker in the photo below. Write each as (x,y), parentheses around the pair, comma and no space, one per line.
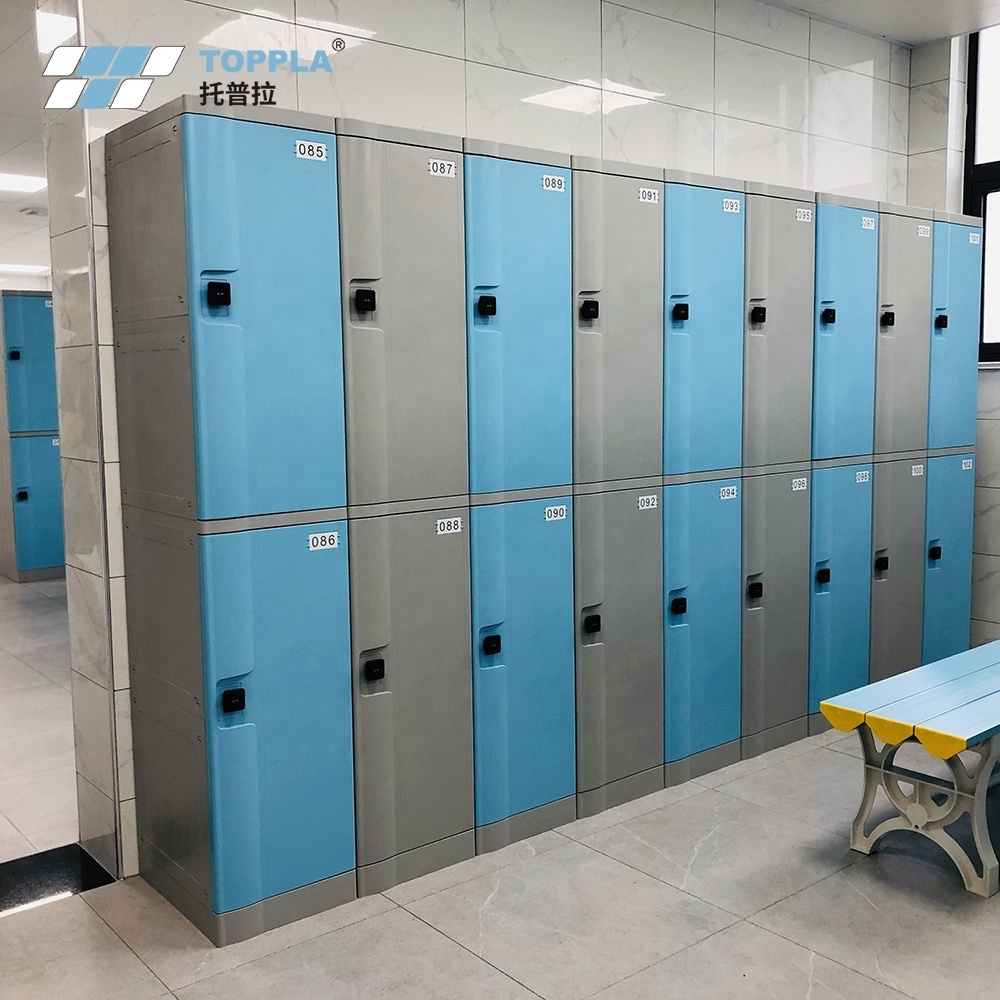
(106,76)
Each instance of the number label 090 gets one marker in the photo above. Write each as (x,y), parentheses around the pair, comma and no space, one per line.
(556,513)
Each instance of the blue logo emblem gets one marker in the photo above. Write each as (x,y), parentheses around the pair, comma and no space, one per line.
(106,76)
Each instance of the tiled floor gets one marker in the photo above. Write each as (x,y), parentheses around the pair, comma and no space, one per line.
(37,768)
(739,885)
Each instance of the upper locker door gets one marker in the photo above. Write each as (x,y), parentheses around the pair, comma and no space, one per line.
(846,325)
(948,572)
(956,307)
(618,325)
(265,314)
(777,415)
(902,365)
(518,218)
(402,242)
(703,327)
(30,360)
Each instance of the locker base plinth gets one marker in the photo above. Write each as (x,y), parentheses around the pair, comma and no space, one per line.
(409,865)
(249,921)
(35,575)
(818,724)
(678,771)
(771,739)
(523,825)
(614,793)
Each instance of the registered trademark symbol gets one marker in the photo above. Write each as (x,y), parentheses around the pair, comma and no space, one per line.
(339,45)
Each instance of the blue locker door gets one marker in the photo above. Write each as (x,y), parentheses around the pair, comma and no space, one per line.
(956,297)
(276,624)
(948,577)
(840,599)
(702,590)
(518,248)
(524,693)
(38,511)
(703,354)
(30,361)
(845,331)
(268,369)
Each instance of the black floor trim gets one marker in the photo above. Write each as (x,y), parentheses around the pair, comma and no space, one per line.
(39,876)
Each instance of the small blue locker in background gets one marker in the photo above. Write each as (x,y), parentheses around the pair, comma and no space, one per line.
(845,327)
(840,599)
(955,306)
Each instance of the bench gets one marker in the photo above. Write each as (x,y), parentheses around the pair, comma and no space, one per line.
(948,707)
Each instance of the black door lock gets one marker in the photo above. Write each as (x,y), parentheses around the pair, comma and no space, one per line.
(14,356)
(823,575)
(364,300)
(882,564)
(934,552)
(888,319)
(758,315)
(941,322)
(828,317)
(487,305)
(374,670)
(755,590)
(592,624)
(679,606)
(22,494)
(234,700)
(491,645)
(220,294)
(590,309)
(681,312)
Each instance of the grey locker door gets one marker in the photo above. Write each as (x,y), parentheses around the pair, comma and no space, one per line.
(618,357)
(776,573)
(618,543)
(402,238)
(777,409)
(898,588)
(902,366)
(410,600)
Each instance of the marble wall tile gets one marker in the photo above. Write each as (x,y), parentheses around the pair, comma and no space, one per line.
(959,69)
(385,84)
(128,835)
(849,50)
(986,587)
(760,85)
(899,65)
(927,180)
(989,394)
(87,602)
(83,515)
(760,153)
(659,135)
(76,382)
(119,633)
(123,744)
(92,733)
(560,39)
(98,183)
(431,25)
(954,181)
(763,24)
(896,183)
(98,824)
(930,63)
(697,13)
(929,117)
(957,107)
(533,111)
(113,514)
(986,534)
(282,10)
(847,169)
(899,119)
(649,57)
(102,285)
(68,173)
(71,289)
(109,412)
(987,451)
(847,106)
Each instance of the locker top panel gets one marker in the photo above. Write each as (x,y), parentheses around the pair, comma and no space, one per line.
(907,211)
(843,201)
(703,180)
(595,165)
(393,133)
(503,151)
(958,220)
(778,191)
(189,105)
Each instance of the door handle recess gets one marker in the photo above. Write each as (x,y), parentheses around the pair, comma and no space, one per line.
(888,319)
(941,322)
(590,309)
(823,575)
(679,606)
(681,312)
(755,590)
(374,670)
(758,315)
(491,645)
(592,624)
(487,305)
(828,317)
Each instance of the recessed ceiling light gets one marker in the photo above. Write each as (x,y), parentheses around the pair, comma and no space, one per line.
(53,30)
(23,269)
(21,183)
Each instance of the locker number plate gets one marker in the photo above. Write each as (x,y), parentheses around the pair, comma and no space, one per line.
(731,205)
(862,477)
(551,182)
(867,221)
(324,540)
(55,442)
(728,492)
(803,215)
(800,484)
(442,168)
(649,503)
(557,513)
(310,150)
(649,195)
(449,525)
(924,231)
(974,238)
(918,470)
(966,464)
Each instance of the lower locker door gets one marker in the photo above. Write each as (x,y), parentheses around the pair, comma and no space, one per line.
(38,512)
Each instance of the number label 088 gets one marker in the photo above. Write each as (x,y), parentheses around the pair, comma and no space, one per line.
(449,525)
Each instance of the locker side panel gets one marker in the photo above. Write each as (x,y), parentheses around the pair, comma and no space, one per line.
(903,363)
(897,567)
(775,600)
(410,595)
(703,354)
(30,363)
(518,253)
(268,368)
(954,357)
(777,415)
(37,499)
(523,651)
(701,592)
(840,594)
(276,626)
(619,578)
(845,331)
(406,381)
(948,574)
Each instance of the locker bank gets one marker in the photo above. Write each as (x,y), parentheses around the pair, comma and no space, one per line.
(524,486)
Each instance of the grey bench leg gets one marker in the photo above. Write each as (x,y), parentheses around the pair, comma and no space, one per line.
(933,805)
